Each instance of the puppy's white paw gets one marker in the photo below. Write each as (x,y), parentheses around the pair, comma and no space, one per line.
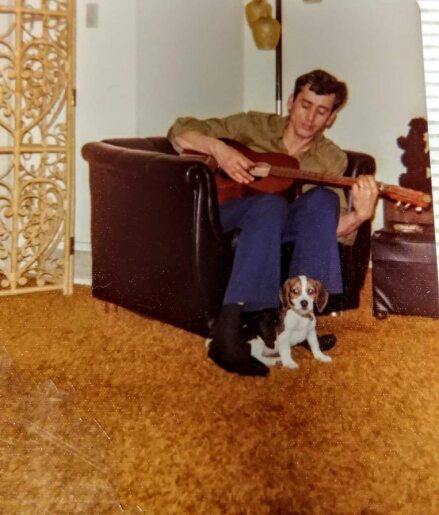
(207,342)
(324,358)
(291,364)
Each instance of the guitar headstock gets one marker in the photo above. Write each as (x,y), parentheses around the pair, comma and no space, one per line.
(406,197)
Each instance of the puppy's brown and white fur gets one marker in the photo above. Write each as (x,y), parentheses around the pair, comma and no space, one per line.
(296,323)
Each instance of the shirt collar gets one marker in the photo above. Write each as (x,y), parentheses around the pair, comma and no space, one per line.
(313,149)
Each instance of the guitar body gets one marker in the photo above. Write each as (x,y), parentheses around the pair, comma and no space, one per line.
(229,189)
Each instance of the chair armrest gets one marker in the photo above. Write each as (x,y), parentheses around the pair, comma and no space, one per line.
(354,258)
(148,178)
(157,245)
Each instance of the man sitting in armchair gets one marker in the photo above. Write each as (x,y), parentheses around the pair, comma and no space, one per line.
(314,222)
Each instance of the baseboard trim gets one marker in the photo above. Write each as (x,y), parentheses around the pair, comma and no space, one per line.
(82,246)
(82,273)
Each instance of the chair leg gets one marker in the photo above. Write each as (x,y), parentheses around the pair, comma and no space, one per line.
(109,306)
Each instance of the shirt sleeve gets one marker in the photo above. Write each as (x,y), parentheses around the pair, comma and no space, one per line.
(228,127)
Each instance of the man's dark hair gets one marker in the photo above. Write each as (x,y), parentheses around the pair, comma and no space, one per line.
(322,83)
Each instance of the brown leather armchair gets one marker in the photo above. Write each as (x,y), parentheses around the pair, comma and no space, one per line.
(157,244)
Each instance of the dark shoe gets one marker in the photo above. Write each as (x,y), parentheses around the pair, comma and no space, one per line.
(326,342)
(228,350)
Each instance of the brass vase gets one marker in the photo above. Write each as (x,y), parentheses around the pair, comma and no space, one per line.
(266,33)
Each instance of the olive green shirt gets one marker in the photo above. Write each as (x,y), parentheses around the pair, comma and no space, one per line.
(263,132)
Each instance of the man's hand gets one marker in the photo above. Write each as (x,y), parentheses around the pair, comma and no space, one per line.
(364,200)
(232,162)
(364,197)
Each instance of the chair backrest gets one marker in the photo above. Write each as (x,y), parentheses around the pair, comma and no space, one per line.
(359,163)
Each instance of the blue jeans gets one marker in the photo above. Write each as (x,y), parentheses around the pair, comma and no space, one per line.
(265,222)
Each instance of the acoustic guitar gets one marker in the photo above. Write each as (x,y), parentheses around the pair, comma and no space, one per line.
(275,173)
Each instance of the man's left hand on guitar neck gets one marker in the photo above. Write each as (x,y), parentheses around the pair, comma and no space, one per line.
(364,199)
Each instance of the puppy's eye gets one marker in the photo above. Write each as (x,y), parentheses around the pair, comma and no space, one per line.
(311,291)
(295,291)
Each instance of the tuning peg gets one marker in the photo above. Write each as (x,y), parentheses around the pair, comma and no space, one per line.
(406,206)
(398,203)
(419,209)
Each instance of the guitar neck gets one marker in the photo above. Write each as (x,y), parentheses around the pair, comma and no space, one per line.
(312,177)
(392,192)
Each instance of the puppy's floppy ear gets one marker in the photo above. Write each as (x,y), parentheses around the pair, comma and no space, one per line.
(284,294)
(322,295)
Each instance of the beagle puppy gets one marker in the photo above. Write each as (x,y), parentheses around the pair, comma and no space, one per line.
(294,323)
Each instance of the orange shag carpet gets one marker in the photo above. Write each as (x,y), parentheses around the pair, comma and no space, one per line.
(110,412)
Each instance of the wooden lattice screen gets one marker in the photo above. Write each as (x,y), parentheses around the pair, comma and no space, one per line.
(36,145)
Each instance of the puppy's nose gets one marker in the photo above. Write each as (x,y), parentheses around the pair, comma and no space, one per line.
(304,303)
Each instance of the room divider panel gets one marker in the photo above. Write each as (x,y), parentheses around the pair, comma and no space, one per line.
(36,145)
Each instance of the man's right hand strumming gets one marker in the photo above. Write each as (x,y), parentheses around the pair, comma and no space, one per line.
(230,160)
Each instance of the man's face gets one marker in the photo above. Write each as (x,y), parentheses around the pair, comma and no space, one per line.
(310,113)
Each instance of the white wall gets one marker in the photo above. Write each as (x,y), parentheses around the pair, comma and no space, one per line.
(106,71)
(190,61)
(375,46)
